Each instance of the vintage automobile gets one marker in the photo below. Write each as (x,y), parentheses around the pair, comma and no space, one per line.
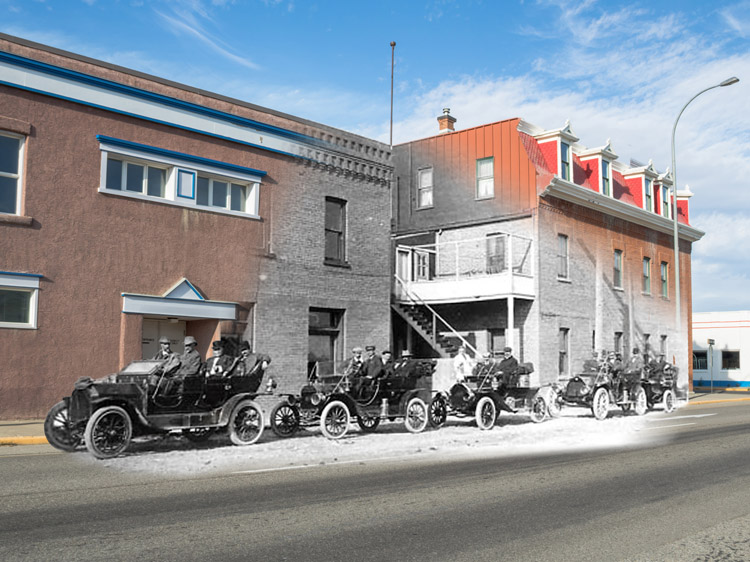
(104,414)
(488,391)
(599,388)
(660,384)
(332,400)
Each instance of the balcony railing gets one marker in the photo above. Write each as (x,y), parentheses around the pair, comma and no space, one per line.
(480,268)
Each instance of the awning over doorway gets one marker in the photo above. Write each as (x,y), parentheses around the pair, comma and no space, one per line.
(183,300)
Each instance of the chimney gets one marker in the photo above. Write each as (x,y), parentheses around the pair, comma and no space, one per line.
(446,121)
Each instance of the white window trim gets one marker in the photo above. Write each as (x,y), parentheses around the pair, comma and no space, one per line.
(420,188)
(477,196)
(646,260)
(602,177)
(560,144)
(18,177)
(175,166)
(567,257)
(28,283)
(650,208)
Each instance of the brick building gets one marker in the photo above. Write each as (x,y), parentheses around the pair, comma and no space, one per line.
(132,207)
(508,234)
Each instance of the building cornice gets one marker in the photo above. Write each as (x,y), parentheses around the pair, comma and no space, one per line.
(584,197)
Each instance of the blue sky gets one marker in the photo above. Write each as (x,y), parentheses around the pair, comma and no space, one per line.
(617,70)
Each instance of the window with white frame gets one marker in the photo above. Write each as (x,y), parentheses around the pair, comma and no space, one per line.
(617,274)
(485,178)
(606,179)
(19,294)
(424,188)
(564,351)
(647,276)
(649,202)
(664,279)
(565,161)
(664,201)
(563,260)
(11,159)
(151,173)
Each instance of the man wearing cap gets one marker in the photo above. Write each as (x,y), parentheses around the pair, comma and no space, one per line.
(371,371)
(219,364)
(509,364)
(164,353)
(190,361)
(251,365)
(354,366)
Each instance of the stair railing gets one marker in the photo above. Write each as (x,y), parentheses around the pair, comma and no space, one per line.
(418,300)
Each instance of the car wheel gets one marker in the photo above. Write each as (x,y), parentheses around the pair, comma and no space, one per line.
(669,400)
(59,431)
(197,434)
(368,424)
(416,415)
(334,421)
(626,407)
(600,403)
(554,407)
(284,419)
(641,404)
(245,423)
(485,413)
(538,410)
(108,432)
(438,411)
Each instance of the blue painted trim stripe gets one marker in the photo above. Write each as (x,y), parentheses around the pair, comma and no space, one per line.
(150,96)
(158,298)
(196,291)
(179,155)
(21,274)
(722,383)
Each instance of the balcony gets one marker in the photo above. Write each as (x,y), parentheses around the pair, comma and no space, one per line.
(497,266)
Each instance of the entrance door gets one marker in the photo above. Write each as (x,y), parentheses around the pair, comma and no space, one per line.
(154,329)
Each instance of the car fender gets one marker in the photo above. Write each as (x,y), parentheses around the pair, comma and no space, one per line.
(348,401)
(226,409)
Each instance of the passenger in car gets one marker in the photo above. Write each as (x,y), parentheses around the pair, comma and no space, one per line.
(219,364)
(251,365)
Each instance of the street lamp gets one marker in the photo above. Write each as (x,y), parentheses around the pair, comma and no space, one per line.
(727,82)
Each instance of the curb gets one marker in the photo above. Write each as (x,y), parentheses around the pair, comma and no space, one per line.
(697,402)
(28,440)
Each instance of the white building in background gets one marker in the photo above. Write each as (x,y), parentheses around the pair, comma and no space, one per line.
(721,349)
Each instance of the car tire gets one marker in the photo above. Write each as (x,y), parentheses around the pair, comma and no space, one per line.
(334,420)
(245,423)
(197,434)
(368,424)
(669,401)
(485,413)
(284,419)
(600,403)
(438,411)
(554,406)
(538,411)
(640,405)
(416,416)
(108,432)
(58,430)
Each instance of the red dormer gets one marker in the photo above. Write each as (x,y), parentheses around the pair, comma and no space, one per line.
(597,167)
(640,180)
(556,146)
(662,195)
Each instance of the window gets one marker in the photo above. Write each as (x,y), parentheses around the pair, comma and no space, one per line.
(606,179)
(19,293)
(664,201)
(617,276)
(421,265)
(564,161)
(335,231)
(647,276)
(495,253)
(150,173)
(664,280)
(700,360)
(424,188)
(649,201)
(618,342)
(663,345)
(562,256)
(563,353)
(730,360)
(11,158)
(324,346)
(485,178)
(646,344)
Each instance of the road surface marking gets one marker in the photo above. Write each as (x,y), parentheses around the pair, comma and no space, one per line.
(317,465)
(683,417)
(672,425)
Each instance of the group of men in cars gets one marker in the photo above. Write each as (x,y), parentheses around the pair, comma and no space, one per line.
(365,371)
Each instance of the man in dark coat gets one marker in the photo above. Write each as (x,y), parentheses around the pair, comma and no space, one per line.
(387,358)
(190,361)
(219,364)
(251,365)
(508,364)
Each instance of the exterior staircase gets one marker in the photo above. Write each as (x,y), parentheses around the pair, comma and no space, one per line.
(424,322)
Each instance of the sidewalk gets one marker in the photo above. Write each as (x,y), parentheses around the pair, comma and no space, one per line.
(31,432)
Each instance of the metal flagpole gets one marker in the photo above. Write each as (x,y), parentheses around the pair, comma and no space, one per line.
(393,51)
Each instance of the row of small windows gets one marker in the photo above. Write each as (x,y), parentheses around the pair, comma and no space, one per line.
(484,187)
(563,268)
(730,360)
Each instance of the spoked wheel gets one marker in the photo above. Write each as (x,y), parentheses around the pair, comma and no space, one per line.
(334,420)
(245,423)
(438,411)
(108,432)
(416,415)
(485,413)
(538,410)
(669,400)
(197,434)
(554,406)
(284,419)
(368,424)
(59,431)
(641,403)
(600,404)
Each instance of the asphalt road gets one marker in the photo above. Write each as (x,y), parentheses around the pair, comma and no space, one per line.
(684,497)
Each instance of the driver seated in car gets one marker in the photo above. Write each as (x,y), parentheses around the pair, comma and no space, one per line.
(405,372)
